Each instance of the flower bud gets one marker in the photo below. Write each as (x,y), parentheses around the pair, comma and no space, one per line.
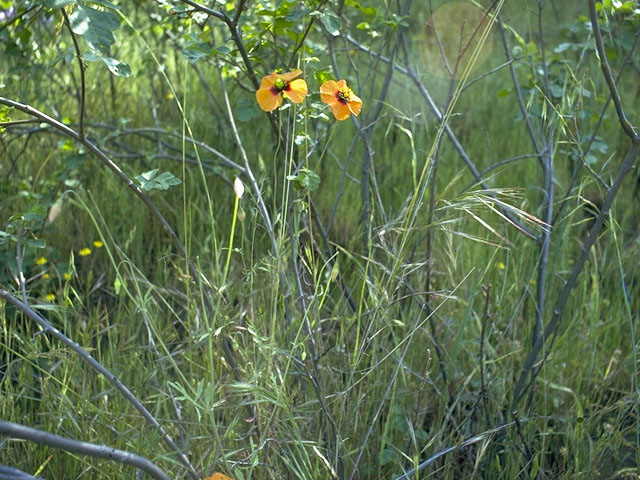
(238,188)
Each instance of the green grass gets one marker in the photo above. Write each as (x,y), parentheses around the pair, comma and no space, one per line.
(394,383)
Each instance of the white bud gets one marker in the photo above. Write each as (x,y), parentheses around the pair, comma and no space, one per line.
(238,187)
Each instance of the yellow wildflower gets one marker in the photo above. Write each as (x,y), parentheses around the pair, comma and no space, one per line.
(84,252)
(41,261)
(340,98)
(98,244)
(273,87)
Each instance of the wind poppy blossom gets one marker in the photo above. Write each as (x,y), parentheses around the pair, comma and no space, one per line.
(340,98)
(273,87)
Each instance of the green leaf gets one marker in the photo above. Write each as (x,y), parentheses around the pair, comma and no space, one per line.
(371,11)
(196,51)
(322,76)
(118,68)
(5,237)
(95,26)
(35,243)
(105,3)
(564,46)
(222,49)
(56,3)
(305,180)
(151,180)
(297,15)
(246,109)
(330,20)
(556,90)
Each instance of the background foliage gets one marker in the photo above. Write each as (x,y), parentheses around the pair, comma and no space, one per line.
(444,286)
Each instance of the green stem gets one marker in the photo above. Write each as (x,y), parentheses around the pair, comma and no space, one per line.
(233,229)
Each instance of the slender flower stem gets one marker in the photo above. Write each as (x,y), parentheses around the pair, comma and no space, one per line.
(233,229)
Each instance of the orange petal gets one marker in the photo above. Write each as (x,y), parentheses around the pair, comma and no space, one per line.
(328,91)
(268,100)
(355,105)
(297,90)
(269,80)
(218,476)
(340,110)
(287,77)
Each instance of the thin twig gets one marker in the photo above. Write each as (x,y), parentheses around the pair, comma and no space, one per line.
(81,65)
(606,71)
(516,87)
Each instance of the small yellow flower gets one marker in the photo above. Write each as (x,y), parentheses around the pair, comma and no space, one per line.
(340,98)
(500,265)
(84,252)
(66,275)
(98,244)
(46,276)
(41,261)
(277,85)
(51,297)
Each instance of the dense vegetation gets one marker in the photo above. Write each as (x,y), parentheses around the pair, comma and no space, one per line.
(443,286)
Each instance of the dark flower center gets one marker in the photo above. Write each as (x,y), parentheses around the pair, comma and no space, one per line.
(344,95)
(280,86)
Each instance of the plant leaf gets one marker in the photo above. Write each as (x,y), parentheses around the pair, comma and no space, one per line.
(95,26)
(115,66)
(331,22)
(246,110)
(152,180)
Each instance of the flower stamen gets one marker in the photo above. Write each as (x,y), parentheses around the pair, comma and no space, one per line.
(344,95)
(340,98)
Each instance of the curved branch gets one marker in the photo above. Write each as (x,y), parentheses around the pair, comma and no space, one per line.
(98,367)
(15,430)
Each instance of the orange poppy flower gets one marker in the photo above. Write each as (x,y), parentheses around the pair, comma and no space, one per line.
(340,98)
(218,476)
(273,87)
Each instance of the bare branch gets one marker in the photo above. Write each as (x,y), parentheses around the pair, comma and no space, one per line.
(15,430)
(608,76)
(98,367)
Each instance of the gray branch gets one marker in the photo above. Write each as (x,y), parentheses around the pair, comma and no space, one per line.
(15,430)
